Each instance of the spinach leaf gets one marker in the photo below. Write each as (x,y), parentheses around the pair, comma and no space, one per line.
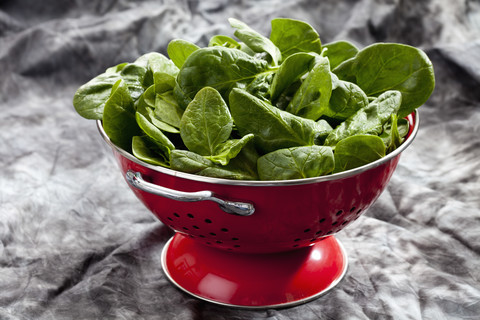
(206,122)
(345,70)
(178,50)
(291,69)
(339,51)
(356,151)
(391,66)
(154,133)
(167,109)
(89,100)
(190,162)
(314,94)
(346,99)
(117,68)
(272,127)
(322,130)
(139,75)
(292,36)
(119,117)
(229,149)
(260,86)
(145,150)
(163,82)
(217,67)
(394,132)
(368,120)
(255,40)
(296,163)
(224,41)
(246,160)
(158,63)
(146,105)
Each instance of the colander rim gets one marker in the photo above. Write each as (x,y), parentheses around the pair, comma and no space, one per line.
(276,183)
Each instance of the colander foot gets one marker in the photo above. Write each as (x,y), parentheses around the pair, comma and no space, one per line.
(273,280)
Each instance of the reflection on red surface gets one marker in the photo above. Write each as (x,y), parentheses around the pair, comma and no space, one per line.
(254,279)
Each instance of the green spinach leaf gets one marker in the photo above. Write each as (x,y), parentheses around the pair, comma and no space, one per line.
(217,67)
(291,69)
(314,94)
(322,129)
(272,127)
(167,109)
(146,105)
(119,117)
(179,50)
(356,151)
(391,66)
(224,41)
(339,51)
(296,163)
(229,149)
(368,120)
(346,99)
(145,150)
(206,123)
(255,40)
(394,132)
(292,36)
(190,162)
(89,100)
(154,133)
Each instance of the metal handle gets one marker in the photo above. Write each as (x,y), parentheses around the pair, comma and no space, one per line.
(239,208)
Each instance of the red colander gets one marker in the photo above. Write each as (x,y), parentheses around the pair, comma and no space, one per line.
(256,244)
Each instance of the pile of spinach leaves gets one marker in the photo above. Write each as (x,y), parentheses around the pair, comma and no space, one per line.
(258,108)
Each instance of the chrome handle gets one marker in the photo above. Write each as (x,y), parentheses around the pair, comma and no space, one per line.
(239,208)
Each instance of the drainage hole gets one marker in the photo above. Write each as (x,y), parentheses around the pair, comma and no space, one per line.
(185,228)
(208,221)
(321,220)
(296,240)
(344,222)
(353,209)
(224,229)
(219,242)
(235,239)
(176,215)
(190,215)
(359,210)
(195,227)
(213,234)
(295,245)
(312,240)
(330,232)
(318,232)
(339,213)
(208,242)
(236,246)
(306,230)
(334,223)
(201,236)
(170,219)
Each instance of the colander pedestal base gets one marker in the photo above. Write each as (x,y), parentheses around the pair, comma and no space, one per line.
(254,280)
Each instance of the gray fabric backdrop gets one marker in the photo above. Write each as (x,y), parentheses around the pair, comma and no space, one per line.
(76,244)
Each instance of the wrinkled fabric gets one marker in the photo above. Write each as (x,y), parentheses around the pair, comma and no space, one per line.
(75,243)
